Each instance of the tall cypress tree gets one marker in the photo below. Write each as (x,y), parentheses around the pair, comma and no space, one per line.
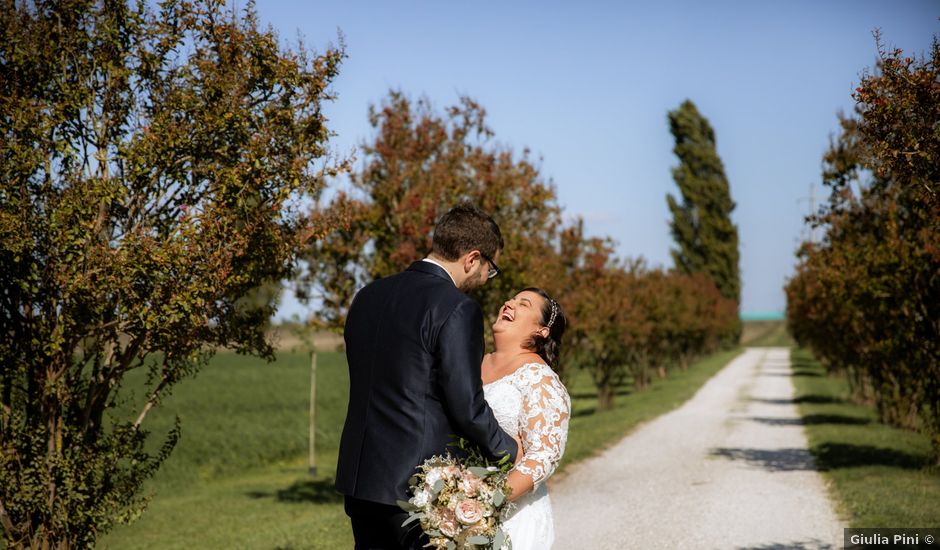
(706,238)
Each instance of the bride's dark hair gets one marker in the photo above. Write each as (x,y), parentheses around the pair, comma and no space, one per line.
(548,348)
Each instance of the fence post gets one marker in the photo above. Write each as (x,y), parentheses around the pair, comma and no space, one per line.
(313,414)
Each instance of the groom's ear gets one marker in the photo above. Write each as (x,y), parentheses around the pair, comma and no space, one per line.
(468,259)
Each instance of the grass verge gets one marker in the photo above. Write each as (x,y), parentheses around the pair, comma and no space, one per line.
(879,475)
(765,334)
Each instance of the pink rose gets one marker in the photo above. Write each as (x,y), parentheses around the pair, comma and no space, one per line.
(444,520)
(448,522)
(470,485)
(469,511)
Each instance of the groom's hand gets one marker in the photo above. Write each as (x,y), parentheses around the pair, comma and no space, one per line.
(520,451)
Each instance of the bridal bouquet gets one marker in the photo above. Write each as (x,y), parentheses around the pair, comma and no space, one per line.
(459,502)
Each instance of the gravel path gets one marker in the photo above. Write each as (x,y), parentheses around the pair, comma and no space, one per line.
(729,469)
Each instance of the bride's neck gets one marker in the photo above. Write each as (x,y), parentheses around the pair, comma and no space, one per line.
(505,345)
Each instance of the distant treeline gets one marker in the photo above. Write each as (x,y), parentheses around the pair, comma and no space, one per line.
(627,322)
(866,299)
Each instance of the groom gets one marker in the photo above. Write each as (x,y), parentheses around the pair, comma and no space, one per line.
(414,344)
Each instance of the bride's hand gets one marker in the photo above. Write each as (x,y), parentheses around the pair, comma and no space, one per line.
(520,452)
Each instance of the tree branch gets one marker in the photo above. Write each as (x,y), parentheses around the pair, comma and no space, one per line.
(151,401)
(5,520)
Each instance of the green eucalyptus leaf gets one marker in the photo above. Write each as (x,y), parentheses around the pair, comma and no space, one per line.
(406,506)
(413,518)
(482,473)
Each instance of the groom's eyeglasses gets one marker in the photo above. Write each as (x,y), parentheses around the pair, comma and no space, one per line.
(494,269)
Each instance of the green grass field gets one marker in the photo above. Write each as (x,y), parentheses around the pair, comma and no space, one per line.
(238,477)
(880,475)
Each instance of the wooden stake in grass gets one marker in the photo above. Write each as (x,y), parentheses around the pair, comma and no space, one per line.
(313,414)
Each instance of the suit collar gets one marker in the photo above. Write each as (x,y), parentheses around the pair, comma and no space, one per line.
(432,269)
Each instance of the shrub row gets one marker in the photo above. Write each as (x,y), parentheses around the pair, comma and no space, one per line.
(866,299)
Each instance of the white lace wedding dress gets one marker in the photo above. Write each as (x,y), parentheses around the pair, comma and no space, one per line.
(533,404)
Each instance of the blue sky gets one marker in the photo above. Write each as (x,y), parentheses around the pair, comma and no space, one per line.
(586,87)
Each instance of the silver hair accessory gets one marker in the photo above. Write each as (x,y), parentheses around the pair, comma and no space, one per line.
(551,319)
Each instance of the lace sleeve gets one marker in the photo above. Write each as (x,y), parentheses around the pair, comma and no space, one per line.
(546,408)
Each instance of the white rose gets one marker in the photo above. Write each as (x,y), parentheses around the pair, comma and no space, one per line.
(432,477)
(421,499)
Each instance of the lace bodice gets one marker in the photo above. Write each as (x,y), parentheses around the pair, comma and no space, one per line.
(533,404)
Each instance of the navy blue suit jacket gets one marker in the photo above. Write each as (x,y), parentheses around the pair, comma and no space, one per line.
(414,344)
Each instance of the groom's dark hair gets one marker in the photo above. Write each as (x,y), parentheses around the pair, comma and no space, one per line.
(464,228)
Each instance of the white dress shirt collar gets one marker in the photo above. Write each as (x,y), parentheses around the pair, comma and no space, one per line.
(438,264)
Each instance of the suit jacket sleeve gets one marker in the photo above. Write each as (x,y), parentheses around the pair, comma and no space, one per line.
(461,352)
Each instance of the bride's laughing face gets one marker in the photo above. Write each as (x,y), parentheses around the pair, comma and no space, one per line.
(521,315)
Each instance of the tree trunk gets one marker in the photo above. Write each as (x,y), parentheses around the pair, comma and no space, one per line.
(640,376)
(605,396)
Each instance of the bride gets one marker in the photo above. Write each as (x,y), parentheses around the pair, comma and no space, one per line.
(531,403)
